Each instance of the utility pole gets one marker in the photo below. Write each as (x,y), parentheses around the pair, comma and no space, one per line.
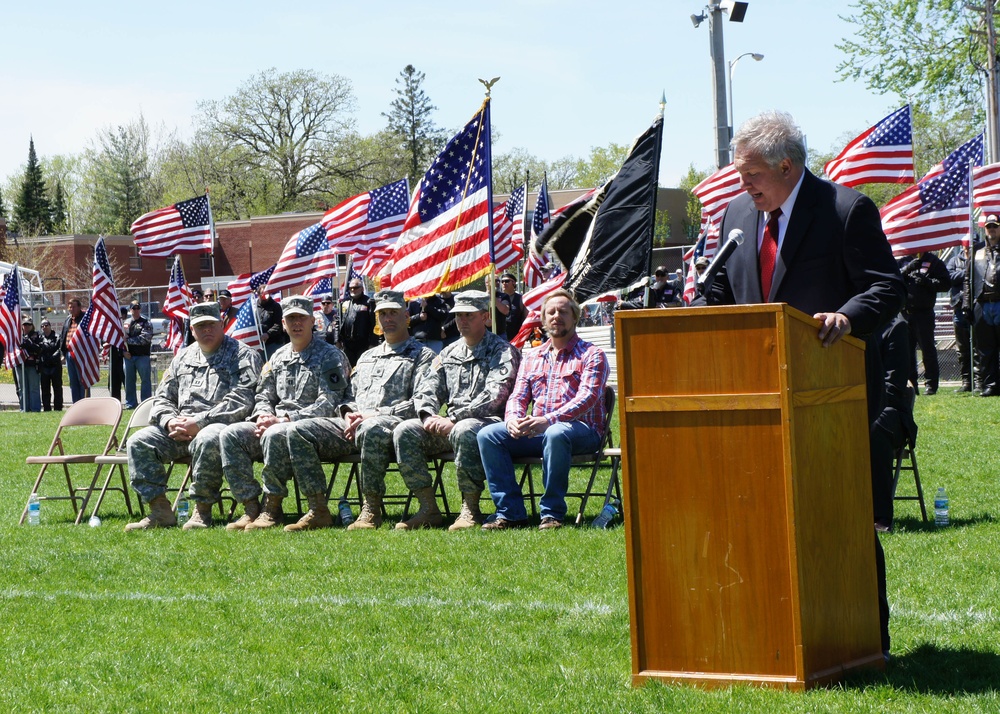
(992,109)
(722,137)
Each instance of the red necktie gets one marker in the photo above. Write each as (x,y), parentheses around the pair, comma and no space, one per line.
(768,253)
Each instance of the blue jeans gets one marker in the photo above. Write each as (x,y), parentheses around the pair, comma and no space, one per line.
(137,365)
(76,388)
(31,392)
(556,446)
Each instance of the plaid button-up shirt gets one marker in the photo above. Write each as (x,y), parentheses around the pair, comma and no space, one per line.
(565,385)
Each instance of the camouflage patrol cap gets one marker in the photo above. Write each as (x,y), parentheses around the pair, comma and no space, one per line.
(296,305)
(205,312)
(389,300)
(471,301)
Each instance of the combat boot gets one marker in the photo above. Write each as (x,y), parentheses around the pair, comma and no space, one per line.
(161,515)
(470,517)
(428,516)
(251,509)
(371,513)
(200,518)
(271,516)
(319,515)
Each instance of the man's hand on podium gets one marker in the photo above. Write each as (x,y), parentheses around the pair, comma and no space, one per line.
(834,326)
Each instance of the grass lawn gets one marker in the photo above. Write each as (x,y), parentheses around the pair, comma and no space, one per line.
(526,621)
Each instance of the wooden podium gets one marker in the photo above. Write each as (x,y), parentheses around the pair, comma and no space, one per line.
(747,494)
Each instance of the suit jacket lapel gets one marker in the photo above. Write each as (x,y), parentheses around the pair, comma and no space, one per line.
(802,215)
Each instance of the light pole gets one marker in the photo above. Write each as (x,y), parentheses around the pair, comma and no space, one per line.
(732,65)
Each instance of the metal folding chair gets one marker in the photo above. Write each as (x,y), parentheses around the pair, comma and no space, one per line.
(90,412)
(118,461)
(907,453)
(353,478)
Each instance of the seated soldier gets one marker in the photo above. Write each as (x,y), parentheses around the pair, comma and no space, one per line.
(473,377)
(209,385)
(305,378)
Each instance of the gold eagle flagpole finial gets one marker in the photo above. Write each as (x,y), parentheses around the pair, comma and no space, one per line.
(489,84)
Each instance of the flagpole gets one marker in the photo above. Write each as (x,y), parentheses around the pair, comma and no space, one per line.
(524,231)
(211,224)
(489,205)
(653,196)
(971,276)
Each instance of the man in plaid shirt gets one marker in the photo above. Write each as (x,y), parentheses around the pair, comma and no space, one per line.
(565,379)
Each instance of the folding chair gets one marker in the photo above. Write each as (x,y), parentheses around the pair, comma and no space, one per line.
(90,412)
(594,460)
(907,452)
(118,461)
(354,478)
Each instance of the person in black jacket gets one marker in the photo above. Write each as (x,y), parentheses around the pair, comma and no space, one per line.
(427,318)
(269,321)
(27,374)
(357,329)
(925,276)
(961,307)
(50,368)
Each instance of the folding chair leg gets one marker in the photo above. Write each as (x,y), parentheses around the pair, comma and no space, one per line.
(586,493)
(89,493)
(526,476)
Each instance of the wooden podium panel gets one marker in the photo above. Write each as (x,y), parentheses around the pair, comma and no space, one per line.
(747,494)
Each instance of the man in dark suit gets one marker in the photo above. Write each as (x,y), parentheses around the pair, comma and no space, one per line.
(812,244)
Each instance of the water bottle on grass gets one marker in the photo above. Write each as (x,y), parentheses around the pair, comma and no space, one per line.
(183,511)
(345,513)
(34,510)
(608,514)
(941,508)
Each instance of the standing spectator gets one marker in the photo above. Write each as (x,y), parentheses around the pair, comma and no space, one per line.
(427,318)
(450,327)
(515,318)
(357,331)
(564,379)
(226,309)
(116,364)
(986,307)
(925,276)
(328,320)
(50,369)
(961,314)
(31,345)
(138,346)
(269,320)
(76,388)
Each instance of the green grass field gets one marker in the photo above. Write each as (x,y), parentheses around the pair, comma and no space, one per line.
(526,621)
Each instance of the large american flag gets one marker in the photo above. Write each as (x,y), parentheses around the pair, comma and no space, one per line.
(715,193)
(533,305)
(178,302)
(535,261)
(245,285)
(306,256)
(106,322)
(934,213)
(508,247)
(516,212)
(10,319)
(244,328)
(986,190)
(185,227)
(445,243)
(369,220)
(882,154)
(318,290)
(85,349)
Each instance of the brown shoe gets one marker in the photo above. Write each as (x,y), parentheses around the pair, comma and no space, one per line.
(502,524)
(548,523)
(317,517)
(371,513)
(271,516)
(429,516)
(470,517)
(161,515)
(201,517)
(251,509)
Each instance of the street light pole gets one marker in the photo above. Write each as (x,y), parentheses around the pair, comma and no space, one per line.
(732,65)
(719,85)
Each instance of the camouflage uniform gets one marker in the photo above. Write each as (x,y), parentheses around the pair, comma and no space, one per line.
(296,385)
(383,384)
(218,389)
(475,384)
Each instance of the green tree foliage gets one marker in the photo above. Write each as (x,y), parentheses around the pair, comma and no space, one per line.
(3,208)
(59,210)
(661,229)
(291,126)
(603,163)
(692,216)
(31,207)
(512,168)
(410,120)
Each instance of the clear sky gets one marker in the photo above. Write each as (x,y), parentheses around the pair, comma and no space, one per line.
(573,74)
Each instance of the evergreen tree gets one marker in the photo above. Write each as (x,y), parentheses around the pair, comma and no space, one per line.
(59,210)
(3,208)
(31,208)
(410,119)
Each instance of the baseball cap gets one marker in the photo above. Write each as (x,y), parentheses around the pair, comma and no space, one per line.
(991,220)
(471,301)
(389,300)
(205,312)
(296,305)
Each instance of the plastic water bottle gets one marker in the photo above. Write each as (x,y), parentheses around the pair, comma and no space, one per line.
(182,511)
(34,510)
(941,508)
(94,521)
(345,513)
(608,514)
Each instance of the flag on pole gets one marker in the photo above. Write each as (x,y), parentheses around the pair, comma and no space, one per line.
(508,248)
(369,220)
(244,328)
(106,321)
(246,284)
(10,319)
(700,249)
(986,190)
(882,154)
(184,227)
(934,213)
(85,349)
(178,301)
(318,290)
(606,243)
(306,256)
(445,243)
(516,213)
(715,193)
(534,273)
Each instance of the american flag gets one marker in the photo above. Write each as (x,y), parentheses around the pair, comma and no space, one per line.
(934,213)
(516,213)
(523,336)
(246,284)
(715,193)
(986,189)
(306,256)
(689,258)
(446,239)
(535,261)
(185,227)
(369,220)
(320,288)
(507,249)
(10,319)
(534,297)
(882,154)
(376,263)
(245,328)
(106,322)
(85,349)
(176,305)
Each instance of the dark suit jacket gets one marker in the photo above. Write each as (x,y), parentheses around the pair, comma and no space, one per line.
(834,258)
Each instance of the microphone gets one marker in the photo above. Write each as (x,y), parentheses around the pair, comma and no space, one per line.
(725,253)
